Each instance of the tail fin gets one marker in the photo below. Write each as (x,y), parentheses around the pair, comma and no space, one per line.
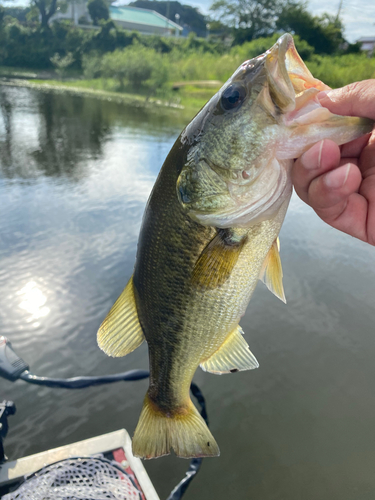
(186,432)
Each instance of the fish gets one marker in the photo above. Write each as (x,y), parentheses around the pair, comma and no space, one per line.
(209,233)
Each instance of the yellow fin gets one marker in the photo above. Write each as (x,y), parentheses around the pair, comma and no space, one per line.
(184,430)
(272,273)
(232,356)
(217,261)
(121,333)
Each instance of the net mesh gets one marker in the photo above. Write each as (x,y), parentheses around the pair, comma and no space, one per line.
(77,479)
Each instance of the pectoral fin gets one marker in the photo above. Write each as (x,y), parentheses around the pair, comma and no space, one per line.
(218,259)
(121,333)
(233,355)
(272,273)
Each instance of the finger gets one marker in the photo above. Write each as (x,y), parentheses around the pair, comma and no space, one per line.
(328,193)
(355,99)
(335,198)
(367,157)
(350,217)
(320,158)
(354,148)
(345,161)
(367,190)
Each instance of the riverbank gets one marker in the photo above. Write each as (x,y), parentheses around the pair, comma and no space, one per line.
(72,88)
(187,97)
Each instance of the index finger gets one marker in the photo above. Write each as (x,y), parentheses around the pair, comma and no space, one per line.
(355,99)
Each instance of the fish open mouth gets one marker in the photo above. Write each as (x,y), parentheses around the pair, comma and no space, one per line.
(288,75)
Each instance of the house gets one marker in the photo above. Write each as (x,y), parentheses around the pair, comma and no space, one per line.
(146,22)
(76,11)
(367,43)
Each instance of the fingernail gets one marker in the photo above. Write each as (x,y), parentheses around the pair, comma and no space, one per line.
(320,153)
(325,93)
(322,94)
(309,158)
(337,178)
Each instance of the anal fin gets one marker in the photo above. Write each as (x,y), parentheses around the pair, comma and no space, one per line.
(272,273)
(121,333)
(233,355)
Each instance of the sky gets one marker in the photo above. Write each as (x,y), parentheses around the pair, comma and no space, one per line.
(358,15)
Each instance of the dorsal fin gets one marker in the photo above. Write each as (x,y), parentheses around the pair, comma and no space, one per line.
(272,273)
(218,259)
(232,356)
(121,333)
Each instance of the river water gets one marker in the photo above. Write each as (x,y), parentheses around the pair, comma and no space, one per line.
(75,174)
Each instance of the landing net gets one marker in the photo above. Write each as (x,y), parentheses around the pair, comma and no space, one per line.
(78,479)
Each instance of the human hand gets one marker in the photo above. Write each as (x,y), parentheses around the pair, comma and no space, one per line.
(339,182)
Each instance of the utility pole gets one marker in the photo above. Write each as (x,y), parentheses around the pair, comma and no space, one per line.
(339,10)
(167,16)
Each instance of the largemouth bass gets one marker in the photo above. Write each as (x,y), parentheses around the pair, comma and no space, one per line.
(210,231)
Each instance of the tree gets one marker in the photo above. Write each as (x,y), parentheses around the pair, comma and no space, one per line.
(2,14)
(324,32)
(98,10)
(46,8)
(248,18)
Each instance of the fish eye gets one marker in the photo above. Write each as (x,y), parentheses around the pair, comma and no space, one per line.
(233,96)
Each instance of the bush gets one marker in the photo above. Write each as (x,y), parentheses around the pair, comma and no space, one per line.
(61,63)
(92,65)
(142,69)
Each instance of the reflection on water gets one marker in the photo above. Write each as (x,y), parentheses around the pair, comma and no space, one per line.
(75,174)
(33,300)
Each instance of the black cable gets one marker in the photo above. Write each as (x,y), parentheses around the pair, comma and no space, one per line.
(82,382)
(201,401)
(182,486)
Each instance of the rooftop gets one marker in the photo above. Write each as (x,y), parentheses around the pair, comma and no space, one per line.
(141,16)
(366,39)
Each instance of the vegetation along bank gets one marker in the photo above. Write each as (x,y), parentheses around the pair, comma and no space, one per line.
(178,71)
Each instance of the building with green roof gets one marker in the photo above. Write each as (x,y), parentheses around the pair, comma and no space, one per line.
(147,22)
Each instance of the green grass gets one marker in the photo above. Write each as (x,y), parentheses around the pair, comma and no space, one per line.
(95,84)
(17,72)
(191,98)
(337,71)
